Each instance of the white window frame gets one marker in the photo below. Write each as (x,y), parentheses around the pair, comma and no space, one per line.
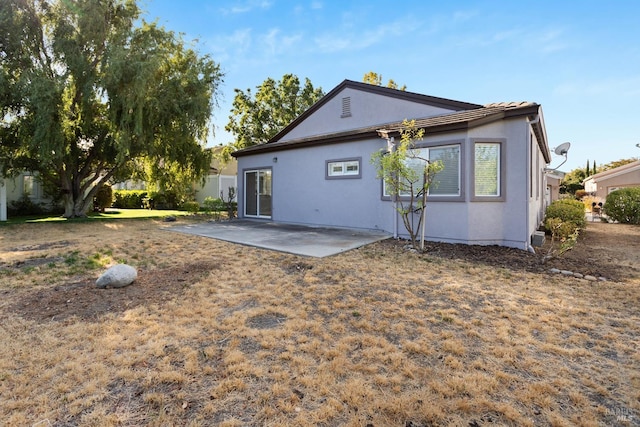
(501,172)
(332,166)
(35,188)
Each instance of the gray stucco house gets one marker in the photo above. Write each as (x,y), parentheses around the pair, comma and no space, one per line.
(317,170)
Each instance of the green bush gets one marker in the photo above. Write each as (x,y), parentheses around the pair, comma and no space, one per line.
(559,229)
(25,206)
(103,198)
(564,218)
(192,206)
(168,199)
(567,210)
(213,205)
(623,205)
(129,199)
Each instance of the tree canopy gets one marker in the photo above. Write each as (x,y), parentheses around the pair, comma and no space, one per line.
(257,118)
(376,79)
(89,91)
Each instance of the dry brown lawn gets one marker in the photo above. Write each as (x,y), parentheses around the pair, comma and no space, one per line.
(214,333)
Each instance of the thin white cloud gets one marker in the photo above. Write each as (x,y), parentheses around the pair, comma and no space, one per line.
(317,5)
(552,41)
(275,43)
(545,41)
(247,46)
(345,38)
(228,46)
(462,16)
(628,87)
(246,7)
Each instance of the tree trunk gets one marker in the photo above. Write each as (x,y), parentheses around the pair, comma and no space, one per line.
(77,208)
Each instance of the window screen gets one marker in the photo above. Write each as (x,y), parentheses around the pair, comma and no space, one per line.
(487,169)
(447,181)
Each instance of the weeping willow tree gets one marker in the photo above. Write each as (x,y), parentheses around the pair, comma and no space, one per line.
(90,92)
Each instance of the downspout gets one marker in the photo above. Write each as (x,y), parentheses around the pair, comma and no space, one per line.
(530,123)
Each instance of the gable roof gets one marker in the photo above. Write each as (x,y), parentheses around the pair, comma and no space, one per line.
(445,123)
(611,173)
(466,116)
(433,101)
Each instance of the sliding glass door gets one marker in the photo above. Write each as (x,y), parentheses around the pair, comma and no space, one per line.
(257,193)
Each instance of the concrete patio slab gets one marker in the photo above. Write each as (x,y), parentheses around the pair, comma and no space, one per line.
(292,238)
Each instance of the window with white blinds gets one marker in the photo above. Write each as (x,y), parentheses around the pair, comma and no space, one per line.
(487,169)
(444,183)
(447,181)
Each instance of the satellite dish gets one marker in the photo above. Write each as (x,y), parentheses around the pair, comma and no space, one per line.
(562,149)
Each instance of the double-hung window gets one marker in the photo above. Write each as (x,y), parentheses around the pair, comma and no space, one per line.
(445,183)
(30,186)
(488,173)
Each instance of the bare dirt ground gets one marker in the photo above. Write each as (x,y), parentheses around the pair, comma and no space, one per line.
(214,333)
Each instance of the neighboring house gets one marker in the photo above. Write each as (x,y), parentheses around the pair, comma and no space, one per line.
(13,189)
(317,170)
(554,179)
(218,181)
(603,183)
(3,199)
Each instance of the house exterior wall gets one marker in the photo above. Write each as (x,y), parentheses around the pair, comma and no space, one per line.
(15,189)
(302,194)
(366,110)
(213,185)
(3,200)
(607,185)
(553,189)
(512,221)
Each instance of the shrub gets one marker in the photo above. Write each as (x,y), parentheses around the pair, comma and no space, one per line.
(560,230)
(563,219)
(567,210)
(168,199)
(191,206)
(623,205)
(25,206)
(103,198)
(129,199)
(580,194)
(213,205)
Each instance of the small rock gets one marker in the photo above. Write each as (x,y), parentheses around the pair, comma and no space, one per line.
(554,271)
(578,275)
(170,218)
(118,276)
(590,278)
(566,272)
(602,279)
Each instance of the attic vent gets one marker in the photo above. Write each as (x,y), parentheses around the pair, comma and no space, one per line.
(346,107)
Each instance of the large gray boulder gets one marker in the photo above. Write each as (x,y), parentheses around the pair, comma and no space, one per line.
(118,276)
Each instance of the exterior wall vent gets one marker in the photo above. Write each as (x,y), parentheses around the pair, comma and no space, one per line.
(346,107)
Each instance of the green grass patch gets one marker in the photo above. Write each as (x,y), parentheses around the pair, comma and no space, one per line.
(109,214)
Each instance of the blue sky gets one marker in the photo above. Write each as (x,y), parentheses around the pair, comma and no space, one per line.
(579,59)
